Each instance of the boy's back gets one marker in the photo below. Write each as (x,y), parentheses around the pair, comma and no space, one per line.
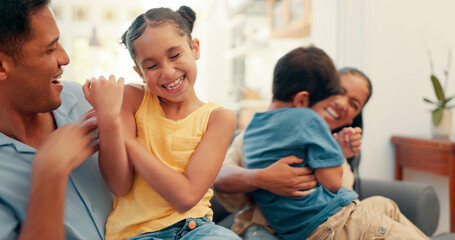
(274,134)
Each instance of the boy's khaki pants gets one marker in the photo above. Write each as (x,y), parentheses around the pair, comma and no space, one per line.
(373,218)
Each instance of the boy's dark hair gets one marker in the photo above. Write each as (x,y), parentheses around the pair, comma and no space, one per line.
(183,19)
(15,24)
(305,69)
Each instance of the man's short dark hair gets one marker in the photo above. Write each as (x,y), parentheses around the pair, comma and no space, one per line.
(15,24)
(305,69)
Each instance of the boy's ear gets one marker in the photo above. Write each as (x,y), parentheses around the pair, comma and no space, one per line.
(302,99)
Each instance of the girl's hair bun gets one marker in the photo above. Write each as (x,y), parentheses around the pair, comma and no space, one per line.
(188,14)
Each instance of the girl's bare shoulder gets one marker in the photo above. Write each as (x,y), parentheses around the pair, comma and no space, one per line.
(223,115)
(133,95)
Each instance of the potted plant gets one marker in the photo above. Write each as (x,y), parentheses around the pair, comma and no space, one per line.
(442,114)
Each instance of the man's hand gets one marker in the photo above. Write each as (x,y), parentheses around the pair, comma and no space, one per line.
(282,179)
(67,147)
(350,140)
(62,151)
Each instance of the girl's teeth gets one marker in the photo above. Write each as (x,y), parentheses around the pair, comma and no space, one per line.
(175,84)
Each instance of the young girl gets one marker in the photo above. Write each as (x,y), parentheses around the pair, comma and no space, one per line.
(163,153)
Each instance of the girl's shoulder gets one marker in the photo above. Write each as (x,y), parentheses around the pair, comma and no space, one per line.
(133,95)
(222,115)
(134,87)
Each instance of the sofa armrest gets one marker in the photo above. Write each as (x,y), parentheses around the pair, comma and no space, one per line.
(418,202)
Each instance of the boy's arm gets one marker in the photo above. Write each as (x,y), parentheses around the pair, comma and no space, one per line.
(106,96)
(183,191)
(324,153)
(330,178)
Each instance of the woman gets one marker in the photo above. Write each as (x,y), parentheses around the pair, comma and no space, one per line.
(234,180)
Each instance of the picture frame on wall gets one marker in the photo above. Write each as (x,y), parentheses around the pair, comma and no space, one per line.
(289,18)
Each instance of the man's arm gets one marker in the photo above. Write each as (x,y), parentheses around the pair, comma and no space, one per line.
(65,149)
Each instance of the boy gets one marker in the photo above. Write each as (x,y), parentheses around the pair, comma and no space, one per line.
(297,125)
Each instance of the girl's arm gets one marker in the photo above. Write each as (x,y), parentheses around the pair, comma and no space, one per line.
(106,96)
(183,191)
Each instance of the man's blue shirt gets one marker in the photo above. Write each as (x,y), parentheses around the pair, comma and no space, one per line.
(88,202)
(275,134)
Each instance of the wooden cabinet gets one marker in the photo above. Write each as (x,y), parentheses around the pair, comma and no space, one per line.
(427,155)
(289,18)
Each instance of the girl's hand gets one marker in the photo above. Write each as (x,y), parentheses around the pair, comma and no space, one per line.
(105,95)
(350,140)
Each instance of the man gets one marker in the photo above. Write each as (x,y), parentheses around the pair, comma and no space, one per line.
(50,185)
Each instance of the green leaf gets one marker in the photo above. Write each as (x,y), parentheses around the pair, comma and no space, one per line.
(437,88)
(429,101)
(449,99)
(437,116)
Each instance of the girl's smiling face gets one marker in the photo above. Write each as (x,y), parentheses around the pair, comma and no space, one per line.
(166,61)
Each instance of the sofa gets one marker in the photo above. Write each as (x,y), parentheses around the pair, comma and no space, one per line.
(417,201)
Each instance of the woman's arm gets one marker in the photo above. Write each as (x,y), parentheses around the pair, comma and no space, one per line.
(233,177)
(280,178)
(183,191)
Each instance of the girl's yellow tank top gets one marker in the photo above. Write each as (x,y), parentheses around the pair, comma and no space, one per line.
(143,210)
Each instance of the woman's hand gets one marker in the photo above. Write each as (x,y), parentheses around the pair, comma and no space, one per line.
(283,179)
(350,140)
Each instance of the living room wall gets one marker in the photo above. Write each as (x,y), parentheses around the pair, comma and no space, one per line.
(383,38)
(387,40)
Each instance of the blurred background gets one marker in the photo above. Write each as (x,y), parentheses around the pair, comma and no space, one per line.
(241,41)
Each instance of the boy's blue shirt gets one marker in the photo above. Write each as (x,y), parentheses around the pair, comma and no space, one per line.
(275,134)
